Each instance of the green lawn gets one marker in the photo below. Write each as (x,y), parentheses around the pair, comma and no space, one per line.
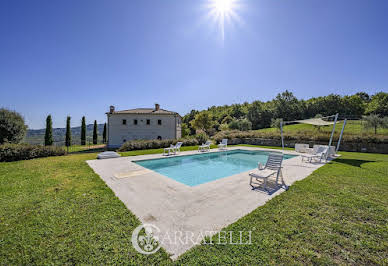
(351,128)
(58,211)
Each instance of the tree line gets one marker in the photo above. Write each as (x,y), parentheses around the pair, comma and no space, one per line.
(48,138)
(285,106)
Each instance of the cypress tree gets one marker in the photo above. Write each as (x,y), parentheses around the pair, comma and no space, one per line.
(48,137)
(104,134)
(95,132)
(83,131)
(68,132)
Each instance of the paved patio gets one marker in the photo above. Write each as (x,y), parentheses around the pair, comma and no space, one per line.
(173,206)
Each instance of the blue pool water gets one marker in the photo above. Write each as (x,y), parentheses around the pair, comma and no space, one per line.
(198,169)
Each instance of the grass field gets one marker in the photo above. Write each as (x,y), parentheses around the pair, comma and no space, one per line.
(351,128)
(58,211)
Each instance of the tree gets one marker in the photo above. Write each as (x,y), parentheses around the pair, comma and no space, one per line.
(224,127)
(104,134)
(378,104)
(68,132)
(48,137)
(374,121)
(185,131)
(12,127)
(259,115)
(237,111)
(227,119)
(353,106)
(276,123)
(83,131)
(188,118)
(287,106)
(234,124)
(245,125)
(95,132)
(203,121)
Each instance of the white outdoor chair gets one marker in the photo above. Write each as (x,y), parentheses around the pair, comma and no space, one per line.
(301,148)
(223,145)
(273,167)
(205,146)
(173,149)
(318,153)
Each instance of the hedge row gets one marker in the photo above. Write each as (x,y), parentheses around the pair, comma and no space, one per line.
(155,144)
(16,152)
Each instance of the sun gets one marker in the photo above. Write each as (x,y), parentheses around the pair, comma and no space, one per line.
(223,6)
(223,12)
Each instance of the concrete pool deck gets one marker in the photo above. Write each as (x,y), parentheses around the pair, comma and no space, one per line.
(175,207)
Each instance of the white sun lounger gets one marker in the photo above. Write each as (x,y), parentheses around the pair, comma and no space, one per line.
(302,148)
(223,145)
(318,153)
(173,149)
(205,146)
(273,167)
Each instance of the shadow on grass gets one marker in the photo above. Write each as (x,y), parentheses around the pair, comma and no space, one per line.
(88,151)
(353,162)
(359,163)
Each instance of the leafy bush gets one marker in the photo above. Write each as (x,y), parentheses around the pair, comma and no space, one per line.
(16,152)
(201,138)
(242,124)
(224,127)
(245,125)
(12,127)
(155,144)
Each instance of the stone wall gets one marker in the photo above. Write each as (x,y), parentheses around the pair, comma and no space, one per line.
(345,146)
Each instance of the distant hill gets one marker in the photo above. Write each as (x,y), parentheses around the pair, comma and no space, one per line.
(36,136)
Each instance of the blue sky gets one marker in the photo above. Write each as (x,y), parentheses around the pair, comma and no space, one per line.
(78,57)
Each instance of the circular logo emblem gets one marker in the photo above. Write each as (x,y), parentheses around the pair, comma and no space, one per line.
(144,240)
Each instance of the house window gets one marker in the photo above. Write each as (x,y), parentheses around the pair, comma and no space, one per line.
(135,121)
(159,122)
(159,137)
(124,121)
(148,122)
(124,140)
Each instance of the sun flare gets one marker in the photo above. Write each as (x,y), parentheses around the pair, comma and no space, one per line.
(223,6)
(223,12)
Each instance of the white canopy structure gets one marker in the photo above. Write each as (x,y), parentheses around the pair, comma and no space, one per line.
(317,122)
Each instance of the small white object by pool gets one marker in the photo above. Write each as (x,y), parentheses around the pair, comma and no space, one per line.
(108,155)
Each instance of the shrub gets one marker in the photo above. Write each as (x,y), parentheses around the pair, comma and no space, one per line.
(224,127)
(201,137)
(234,124)
(12,127)
(16,152)
(245,125)
(154,144)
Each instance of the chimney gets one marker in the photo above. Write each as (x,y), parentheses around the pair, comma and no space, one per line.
(157,107)
(111,109)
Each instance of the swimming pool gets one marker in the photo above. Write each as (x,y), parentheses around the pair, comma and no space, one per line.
(193,170)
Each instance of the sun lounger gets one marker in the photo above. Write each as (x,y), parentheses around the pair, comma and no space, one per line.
(205,146)
(173,149)
(272,168)
(318,153)
(223,145)
(302,148)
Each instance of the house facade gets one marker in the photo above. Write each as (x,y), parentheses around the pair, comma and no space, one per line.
(141,124)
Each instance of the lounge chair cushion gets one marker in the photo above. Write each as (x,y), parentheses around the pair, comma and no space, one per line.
(262,173)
